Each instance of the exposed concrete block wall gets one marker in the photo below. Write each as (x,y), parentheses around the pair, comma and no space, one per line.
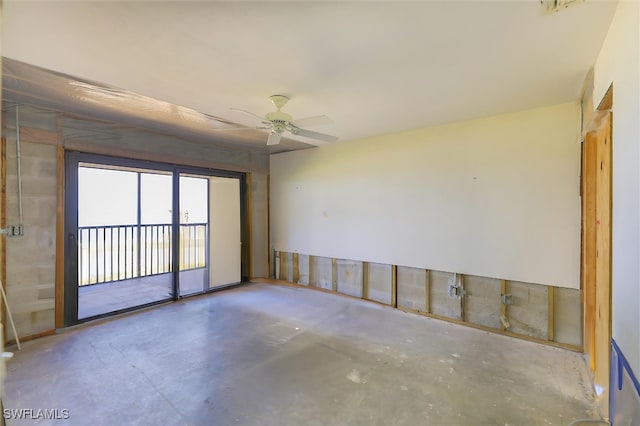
(441,302)
(412,289)
(30,263)
(529,312)
(349,279)
(320,272)
(428,292)
(31,258)
(379,283)
(567,316)
(303,269)
(482,301)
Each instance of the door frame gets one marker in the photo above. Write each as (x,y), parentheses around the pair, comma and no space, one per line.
(68,303)
(596,249)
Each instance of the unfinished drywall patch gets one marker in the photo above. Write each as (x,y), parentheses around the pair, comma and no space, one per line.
(442,303)
(379,282)
(529,313)
(567,316)
(412,286)
(482,301)
(30,266)
(321,272)
(349,277)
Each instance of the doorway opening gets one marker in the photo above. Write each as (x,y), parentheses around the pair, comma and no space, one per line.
(141,233)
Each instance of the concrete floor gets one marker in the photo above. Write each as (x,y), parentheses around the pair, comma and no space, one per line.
(98,299)
(267,354)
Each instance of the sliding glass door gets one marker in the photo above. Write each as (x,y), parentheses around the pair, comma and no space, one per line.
(194,230)
(141,233)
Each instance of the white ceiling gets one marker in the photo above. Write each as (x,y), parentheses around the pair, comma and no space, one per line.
(373,67)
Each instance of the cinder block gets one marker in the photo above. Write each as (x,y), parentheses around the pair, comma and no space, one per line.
(48,168)
(43,320)
(412,284)
(529,313)
(567,316)
(482,301)
(379,282)
(321,272)
(36,150)
(38,186)
(47,291)
(349,277)
(303,269)
(441,302)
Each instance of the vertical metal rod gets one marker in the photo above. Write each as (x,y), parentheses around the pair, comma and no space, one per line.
(148,255)
(139,219)
(119,273)
(126,237)
(103,240)
(111,261)
(89,257)
(155,247)
(149,248)
(171,248)
(19,163)
(162,251)
(133,253)
(80,275)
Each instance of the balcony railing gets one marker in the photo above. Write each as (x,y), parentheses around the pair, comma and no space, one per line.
(119,252)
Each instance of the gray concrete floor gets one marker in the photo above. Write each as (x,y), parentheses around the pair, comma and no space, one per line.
(98,299)
(267,354)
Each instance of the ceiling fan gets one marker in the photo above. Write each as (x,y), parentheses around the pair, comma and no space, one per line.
(278,122)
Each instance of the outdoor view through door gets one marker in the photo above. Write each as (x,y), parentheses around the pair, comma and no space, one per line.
(126,238)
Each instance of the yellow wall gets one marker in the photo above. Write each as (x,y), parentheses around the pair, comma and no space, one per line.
(619,63)
(496,197)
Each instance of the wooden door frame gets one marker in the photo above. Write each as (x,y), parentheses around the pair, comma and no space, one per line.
(596,190)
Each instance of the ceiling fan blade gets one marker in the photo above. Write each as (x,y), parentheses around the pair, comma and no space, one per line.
(316,120)
(274,138)
(248,113)
(313,135)
(233,129)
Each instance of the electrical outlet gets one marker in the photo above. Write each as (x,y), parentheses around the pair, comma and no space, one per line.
(456,291)
(507,299)
(13,231)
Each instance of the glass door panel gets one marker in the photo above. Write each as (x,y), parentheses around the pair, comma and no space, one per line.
(119,264)
(194,229)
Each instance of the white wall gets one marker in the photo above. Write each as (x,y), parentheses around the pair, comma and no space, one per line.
(496,197)
(618,63)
